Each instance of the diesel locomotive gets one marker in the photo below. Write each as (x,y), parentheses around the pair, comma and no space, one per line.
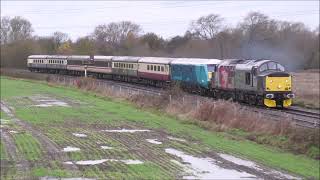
(257,82)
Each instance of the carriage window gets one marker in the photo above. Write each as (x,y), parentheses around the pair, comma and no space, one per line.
(151,67)
(147,67)
(248,79)
(158,68)
(272,65)
(162,68)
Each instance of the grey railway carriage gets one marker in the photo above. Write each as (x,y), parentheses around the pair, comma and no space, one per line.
(125,67)
(261,82)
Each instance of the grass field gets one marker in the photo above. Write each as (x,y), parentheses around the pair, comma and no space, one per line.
(306,86)
(43,132)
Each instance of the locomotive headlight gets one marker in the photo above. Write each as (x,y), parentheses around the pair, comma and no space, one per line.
(271,81)
(286,80)
(290,96)
(269,96)
(279,86)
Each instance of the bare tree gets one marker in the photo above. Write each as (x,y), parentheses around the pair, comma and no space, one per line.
(114,33)
(20,29)
(5,29)
(207,27)
(59,38)
(153,41)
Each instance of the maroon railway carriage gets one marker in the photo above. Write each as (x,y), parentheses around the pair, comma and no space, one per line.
(154,68)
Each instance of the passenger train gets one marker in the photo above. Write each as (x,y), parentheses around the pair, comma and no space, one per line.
(257,82)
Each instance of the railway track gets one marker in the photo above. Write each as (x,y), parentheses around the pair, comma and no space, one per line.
(301,117)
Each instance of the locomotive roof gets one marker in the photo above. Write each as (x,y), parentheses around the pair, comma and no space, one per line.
(78,57)
(126,58)
(156,60)
(37,56)
(244,64)
(56,57)
(103,58)
(195,61)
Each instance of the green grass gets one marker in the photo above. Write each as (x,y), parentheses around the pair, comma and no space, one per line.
(3,154)
(41,172)
(114,112)
(28,146)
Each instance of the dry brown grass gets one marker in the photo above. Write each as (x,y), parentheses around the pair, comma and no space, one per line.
(306,86)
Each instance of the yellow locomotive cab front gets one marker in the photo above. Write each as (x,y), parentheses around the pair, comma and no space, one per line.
(278,91)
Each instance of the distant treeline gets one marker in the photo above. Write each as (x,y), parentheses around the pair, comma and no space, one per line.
(256,36)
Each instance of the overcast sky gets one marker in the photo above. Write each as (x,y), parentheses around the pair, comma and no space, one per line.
(165,18)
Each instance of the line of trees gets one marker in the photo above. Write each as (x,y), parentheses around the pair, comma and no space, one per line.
(256,36)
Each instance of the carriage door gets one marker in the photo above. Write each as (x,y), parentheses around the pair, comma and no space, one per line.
(254,76)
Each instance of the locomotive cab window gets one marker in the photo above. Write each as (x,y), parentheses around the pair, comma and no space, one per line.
(272,65)
(280,67)
(263,67)
(248,78)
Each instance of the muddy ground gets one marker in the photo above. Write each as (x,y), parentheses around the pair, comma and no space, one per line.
(99,150)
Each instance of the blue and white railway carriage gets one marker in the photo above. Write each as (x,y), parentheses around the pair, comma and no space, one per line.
(56,63)
(37,62)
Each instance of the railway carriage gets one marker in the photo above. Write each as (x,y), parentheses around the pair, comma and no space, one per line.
(125,68)
(101,66)
(194,72)
(154,70)
(75,64)
(37,63)
(56,64)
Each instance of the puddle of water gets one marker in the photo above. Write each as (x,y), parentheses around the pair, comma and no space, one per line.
(238,161)
(49,102)
(206,168)
(153,141)
(100,161)
(130,161)
(56,103)
(71,149)
(176,139)
(79,135)
(106,147)
(253,165)
(13,132)
(91,162)
(68,162)
(127,130)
